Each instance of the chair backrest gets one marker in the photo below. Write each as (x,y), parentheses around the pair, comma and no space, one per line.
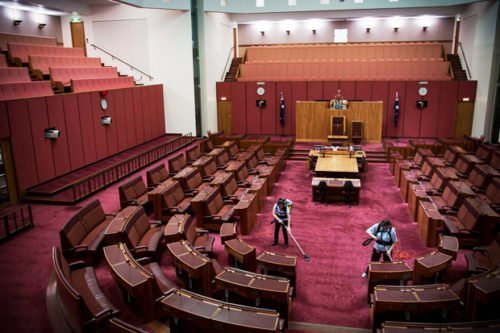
(242,174)
(357,129)
(131,190)
(136,226)
(214,202)
(211,168)
(230,187)
(484,152)
(232,148)
(450,197)
(468,215)
(177,163)
(495,160)
(169,196)
(194,181)
(437,182)
(190,231)
(493,190)
(81,224)
(337,125)
(478,177)
(193,153)
(157,175)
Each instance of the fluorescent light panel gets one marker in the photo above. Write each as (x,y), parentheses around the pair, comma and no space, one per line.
(292,2)
(259,3)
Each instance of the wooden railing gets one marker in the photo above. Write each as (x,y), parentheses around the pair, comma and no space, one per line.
(14,220)
(85,187)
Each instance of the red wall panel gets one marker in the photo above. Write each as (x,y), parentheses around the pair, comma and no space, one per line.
(224,90)
(380,91)
(139,120)
(430,115)
(239,107)
(146,112)
(330,89)
(286,89)
(391,129)
(128,109)
(60,150)
(121,123)
(347,89)
(447,109)
(75,144)
(4,121)
(87,128)
(315,90)
(299,93)
(363,91)
(254,114)
(99,130)
(270,114)
(160,118)
(412,115)
(111,130)
(467,89)
(42,147)
(22,144)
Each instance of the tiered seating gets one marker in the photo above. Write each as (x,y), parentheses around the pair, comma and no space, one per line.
(62,77)
(19,53)
(85,85)
(40,65)
(6,38)
(25,90)
(133,192)
(3,61)
(375,61)
(156,175)
(14,75)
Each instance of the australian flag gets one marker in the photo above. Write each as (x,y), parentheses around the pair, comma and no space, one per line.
(282,110)
(396,110)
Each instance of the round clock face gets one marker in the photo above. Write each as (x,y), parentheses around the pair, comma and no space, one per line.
(261,91)
(104,104)
(422,91)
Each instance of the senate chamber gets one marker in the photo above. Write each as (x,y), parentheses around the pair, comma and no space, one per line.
(250,166)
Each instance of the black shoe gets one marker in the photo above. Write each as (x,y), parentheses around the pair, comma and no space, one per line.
(274,244)
(285,246)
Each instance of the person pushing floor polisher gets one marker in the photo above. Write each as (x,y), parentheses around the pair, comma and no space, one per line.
(282,219)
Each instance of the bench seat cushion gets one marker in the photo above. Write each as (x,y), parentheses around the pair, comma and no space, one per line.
(95,236)
(163,282)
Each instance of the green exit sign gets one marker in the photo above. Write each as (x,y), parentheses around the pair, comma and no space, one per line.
(76,19)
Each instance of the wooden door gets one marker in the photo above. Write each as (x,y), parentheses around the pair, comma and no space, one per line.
(78,36)
(224,116)
(465,114)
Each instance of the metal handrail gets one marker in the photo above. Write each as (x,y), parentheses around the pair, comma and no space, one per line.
(468,72)
(123,61)
(228,62)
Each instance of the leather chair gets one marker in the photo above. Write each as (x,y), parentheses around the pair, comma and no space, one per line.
(134,192)
(156,175)
(492,195)
(194,183)
(143,237)
(484,258)
(356,132)
(338,135)
(231,191)
(198,238)
(175,201)
(176,164)
(219,210)
(193,153)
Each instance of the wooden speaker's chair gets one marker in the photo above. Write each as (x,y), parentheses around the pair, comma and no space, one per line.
(337,130)
(356,131)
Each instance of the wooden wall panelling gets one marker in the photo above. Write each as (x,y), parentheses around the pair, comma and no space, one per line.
(286,89)
(299,93)
(224,121)
(253,113)
(74,132)
(465,115)
(330,89)
(4,123)
(121,122)
(400,87)
(160,109)
(60,148)
(138,114)
(22,144)
(363,91)
(99,130)
(315,90)
(111,130)
(347,89)
(412,117)
(146,113)
(42,147)
(270,114)
(429,126)
(467,89)
(239,112)
(128,109)
(447,109)
(380,92)
(87,128)
(223,89)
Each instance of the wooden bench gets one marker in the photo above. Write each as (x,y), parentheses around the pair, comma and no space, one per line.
(134,192)
(143,237)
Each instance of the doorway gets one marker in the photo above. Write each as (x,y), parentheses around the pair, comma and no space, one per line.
(78,36)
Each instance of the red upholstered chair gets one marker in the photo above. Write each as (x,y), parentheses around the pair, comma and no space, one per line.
(20,90)
(85,85)
(3,61)
(82,303)
(219,210)
(156,175)
(492,194)
(193,153)
(480,177)
(40,65)
(19,53)
(194,183)
(14,75)
(143,236)
(175,201)
(176,164)
(134,192)
(231,191)
(198,238)
(484,152)
(82,235)
(483,258)
(449,200)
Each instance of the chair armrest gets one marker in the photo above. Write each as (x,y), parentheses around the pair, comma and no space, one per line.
(143,260)
(222,167)
(201,231)
(244,184)
(253,172)
(482,249)
(469,231)
(451,213)
(155,222)
(199,248)
(214,217)
(192,194)
(110,214)
(151,188)
(141,247)
(478,189)
(79,247)
(77,264)
(132,202)
(208,179)
(103,313)
(228,201)
(424,178)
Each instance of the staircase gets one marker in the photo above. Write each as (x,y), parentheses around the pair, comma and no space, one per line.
(456,66)
(231,74)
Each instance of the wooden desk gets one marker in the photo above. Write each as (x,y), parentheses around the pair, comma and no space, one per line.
(174,230)
(313,120)
(416,194)
(337,166)
(202,163)
(279,265)
(190,312)
(241,254)
(429,223)
(198,203)
(429,303)
(156,197)
(130,276)
(220,154)
(335,187)
(247,209)
(387,273)
(194,264)
(482,293)
(227,232)
(430,268)
(265,291)
(220,180)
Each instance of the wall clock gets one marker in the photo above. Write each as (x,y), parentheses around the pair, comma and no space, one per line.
(261,91)
(422,91)
(104,104)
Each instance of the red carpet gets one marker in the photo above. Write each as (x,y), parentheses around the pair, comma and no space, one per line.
(330,289)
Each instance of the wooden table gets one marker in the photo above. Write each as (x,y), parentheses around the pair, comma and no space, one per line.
(279,265)
(428,269)
(337,166)
(387,273)
(241,254)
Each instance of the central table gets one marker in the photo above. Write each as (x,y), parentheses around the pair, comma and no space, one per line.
(337,166)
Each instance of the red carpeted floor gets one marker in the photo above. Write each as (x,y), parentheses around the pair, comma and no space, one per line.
(330,289)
